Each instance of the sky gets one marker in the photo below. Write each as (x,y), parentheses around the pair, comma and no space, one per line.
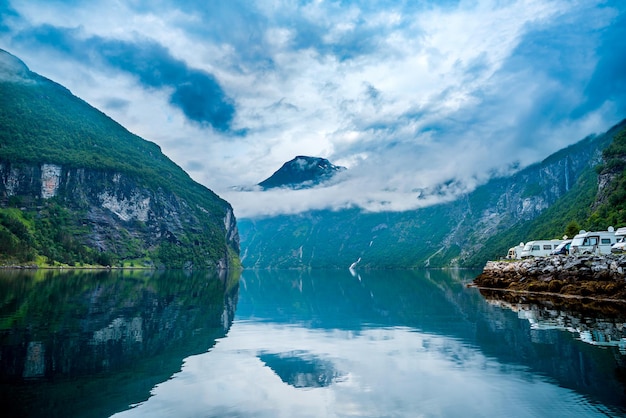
(421,100)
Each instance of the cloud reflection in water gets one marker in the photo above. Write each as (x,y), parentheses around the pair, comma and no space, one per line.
(394,371)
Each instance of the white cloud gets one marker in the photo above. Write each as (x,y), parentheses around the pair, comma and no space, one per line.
(422,95)
(380,372)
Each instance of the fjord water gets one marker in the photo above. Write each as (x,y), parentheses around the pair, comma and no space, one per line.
(299,344)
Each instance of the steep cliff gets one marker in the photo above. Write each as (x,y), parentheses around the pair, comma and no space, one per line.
(476,227)
(610,202)
(507,205)
(76,187)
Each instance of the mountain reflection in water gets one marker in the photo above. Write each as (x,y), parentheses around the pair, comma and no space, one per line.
(393,343)
(301,344)
(300,369)
(90,343)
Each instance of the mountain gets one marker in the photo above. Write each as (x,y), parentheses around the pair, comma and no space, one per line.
(302,172)
(92,330)
(596,201)
(535,203)
(78,188)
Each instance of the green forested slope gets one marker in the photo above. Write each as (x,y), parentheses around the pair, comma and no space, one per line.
(610,207)
(585,206)
(575,207)
(41,123)
(537,202)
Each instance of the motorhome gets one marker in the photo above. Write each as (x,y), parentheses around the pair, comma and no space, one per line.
(539,248)
(515,253)
(596,242)
(563,248)
(620,241)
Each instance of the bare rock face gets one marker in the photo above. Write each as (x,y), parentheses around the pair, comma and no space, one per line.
(591,276)
(77,187)
(122,216)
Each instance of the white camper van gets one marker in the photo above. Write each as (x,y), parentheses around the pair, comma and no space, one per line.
(515,253)
(620,241)
(539,248)
(563,248)
(598,242)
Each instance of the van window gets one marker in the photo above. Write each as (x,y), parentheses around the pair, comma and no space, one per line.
(606,240)
(547,247)
(535,248)
(591,241)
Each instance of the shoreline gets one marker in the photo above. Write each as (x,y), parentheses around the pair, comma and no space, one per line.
(540,294)
(586,276)
(35,267)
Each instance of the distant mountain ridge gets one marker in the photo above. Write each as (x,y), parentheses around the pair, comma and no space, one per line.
(78,188)
(301,173)
(535,203)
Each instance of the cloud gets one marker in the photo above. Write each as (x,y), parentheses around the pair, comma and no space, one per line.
(431,375)
(197,93)
(6,13)
(117,104)
(608,82)
(414,97)
(194,165)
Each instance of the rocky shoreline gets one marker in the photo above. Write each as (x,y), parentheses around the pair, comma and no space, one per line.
(602,277)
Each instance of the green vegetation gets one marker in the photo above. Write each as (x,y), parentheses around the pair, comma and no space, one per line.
(41,122)
(583,207)
(556,221)
(612,208)
(467,232)
(533,189)
(49,236)
(179,314)
(45,123)
(329,239)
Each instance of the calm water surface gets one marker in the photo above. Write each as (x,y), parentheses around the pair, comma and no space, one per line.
(301,344)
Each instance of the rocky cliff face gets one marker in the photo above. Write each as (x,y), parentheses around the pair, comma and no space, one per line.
(115,211)
(451,233)
(77,187)
(505,202)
